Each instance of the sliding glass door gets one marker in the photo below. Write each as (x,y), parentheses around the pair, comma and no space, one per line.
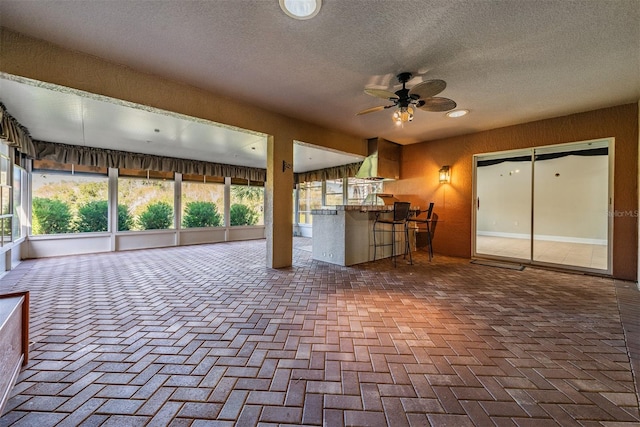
(547,205)
(571,205)
(503,204)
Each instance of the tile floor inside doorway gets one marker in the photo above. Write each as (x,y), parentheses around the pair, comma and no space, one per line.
(565,253)
(206,335)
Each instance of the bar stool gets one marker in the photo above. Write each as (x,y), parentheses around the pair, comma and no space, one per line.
(399,224)
(427,227)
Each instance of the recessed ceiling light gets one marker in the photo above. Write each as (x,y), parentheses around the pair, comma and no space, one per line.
(301,9)
(457,113)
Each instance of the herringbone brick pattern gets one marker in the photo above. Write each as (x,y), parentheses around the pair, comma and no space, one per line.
(206,335)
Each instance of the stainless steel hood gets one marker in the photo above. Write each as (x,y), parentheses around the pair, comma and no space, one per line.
(383,161)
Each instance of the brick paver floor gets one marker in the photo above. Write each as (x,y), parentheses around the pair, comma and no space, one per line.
(208,336)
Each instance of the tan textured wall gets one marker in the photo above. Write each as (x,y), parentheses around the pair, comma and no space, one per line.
(39,60)
(421,162)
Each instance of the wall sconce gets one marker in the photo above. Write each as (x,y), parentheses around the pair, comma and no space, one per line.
(286,165)
(445,175)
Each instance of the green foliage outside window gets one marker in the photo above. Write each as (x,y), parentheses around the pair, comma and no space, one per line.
(242,215)
(247,193)
(51,216)
(157,216)
(125,219)
(139,195)
(94,217)
(201,214)
(252,198)
(78,194)
(64,203)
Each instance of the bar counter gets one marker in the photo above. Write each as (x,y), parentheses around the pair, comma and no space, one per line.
(343,234)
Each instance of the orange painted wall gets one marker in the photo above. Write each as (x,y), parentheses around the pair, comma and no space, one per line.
(453,202)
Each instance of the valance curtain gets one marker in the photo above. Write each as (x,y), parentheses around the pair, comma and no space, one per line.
(18,136)
(15,134)
(90,156)
(336,172)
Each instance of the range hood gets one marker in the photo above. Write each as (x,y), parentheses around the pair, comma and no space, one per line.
(382,162)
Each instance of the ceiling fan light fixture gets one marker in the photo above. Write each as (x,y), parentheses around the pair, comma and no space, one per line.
(457,113)
(301,9)
(402,115)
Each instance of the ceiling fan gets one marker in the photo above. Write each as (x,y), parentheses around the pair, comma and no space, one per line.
(420,96)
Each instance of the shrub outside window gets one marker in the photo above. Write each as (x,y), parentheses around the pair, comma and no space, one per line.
(246,203)
(145,202)
(202,201)
(68,199)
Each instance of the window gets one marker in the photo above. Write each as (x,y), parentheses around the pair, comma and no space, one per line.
(334,192)
(309,197)
(202,201)
(359,189)
(247,203)
(19,214)
(68,199)
(6,217)
(6,196)
(145,200)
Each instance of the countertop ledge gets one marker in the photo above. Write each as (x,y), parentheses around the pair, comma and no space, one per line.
(331,210)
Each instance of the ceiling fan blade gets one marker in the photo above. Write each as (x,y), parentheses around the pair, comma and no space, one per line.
(371,110)
(428,89)
(437,104)
(381,93)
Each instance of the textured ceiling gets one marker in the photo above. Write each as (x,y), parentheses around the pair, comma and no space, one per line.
(507,61)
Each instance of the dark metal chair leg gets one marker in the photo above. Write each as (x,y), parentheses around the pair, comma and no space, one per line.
(375,245)
(429,241)
(393,244)
(407,246)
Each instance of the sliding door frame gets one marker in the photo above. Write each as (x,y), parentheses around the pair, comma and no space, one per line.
(610,210)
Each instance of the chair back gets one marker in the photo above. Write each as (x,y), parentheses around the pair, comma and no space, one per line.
(401,211)
(429,211)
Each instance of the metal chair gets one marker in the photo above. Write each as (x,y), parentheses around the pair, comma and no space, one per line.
(427,227)
(399,224)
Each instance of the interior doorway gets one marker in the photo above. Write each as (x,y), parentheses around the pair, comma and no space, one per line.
(546,205)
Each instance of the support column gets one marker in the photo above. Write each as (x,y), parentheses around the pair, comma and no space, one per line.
(227,207)
(113,207)
(177,206)
(278,202)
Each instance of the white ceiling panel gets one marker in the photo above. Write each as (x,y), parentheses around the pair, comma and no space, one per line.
(55,114)
(307,157)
